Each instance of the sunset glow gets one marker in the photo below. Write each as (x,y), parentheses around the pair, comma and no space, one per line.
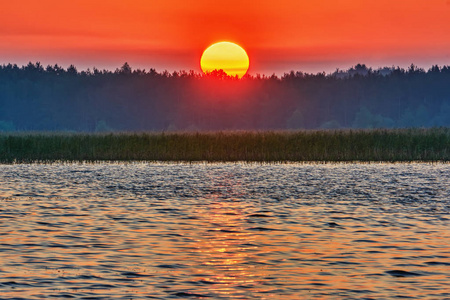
(226,56)
(279,36)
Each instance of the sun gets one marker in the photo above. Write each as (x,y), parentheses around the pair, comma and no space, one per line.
(226,56)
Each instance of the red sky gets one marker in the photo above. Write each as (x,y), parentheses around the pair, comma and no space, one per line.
(279,36)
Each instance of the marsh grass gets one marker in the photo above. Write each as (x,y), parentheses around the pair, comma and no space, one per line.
(257,146)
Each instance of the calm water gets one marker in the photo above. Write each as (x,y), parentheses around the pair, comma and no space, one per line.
(224,231)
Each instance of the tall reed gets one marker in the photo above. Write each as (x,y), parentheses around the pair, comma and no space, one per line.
(259,146)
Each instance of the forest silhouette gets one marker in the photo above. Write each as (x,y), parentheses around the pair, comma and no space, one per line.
(52,98)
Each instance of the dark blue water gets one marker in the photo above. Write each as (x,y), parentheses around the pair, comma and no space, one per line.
(225,231)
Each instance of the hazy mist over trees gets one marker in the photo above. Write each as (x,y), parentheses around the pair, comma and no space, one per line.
(35,97)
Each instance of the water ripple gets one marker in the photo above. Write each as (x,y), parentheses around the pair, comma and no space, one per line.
(224,231)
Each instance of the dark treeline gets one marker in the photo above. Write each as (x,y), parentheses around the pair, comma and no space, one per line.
(34,97)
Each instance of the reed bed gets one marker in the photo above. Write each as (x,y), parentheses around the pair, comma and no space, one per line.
(390,145)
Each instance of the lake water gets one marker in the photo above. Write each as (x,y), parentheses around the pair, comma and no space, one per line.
(224,231)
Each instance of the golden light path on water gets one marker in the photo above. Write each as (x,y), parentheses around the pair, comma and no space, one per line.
(224,231)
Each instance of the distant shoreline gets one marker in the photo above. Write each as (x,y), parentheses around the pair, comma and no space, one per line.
(376,145)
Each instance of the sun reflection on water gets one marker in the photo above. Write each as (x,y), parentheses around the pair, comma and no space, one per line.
(227,248)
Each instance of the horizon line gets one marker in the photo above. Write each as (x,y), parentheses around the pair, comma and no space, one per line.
(338,70)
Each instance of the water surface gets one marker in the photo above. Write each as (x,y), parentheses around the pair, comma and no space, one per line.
(224,231)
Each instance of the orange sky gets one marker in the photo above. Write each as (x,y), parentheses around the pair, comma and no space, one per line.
(279,36)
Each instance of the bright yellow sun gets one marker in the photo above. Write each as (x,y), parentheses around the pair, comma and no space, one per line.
(226,56)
